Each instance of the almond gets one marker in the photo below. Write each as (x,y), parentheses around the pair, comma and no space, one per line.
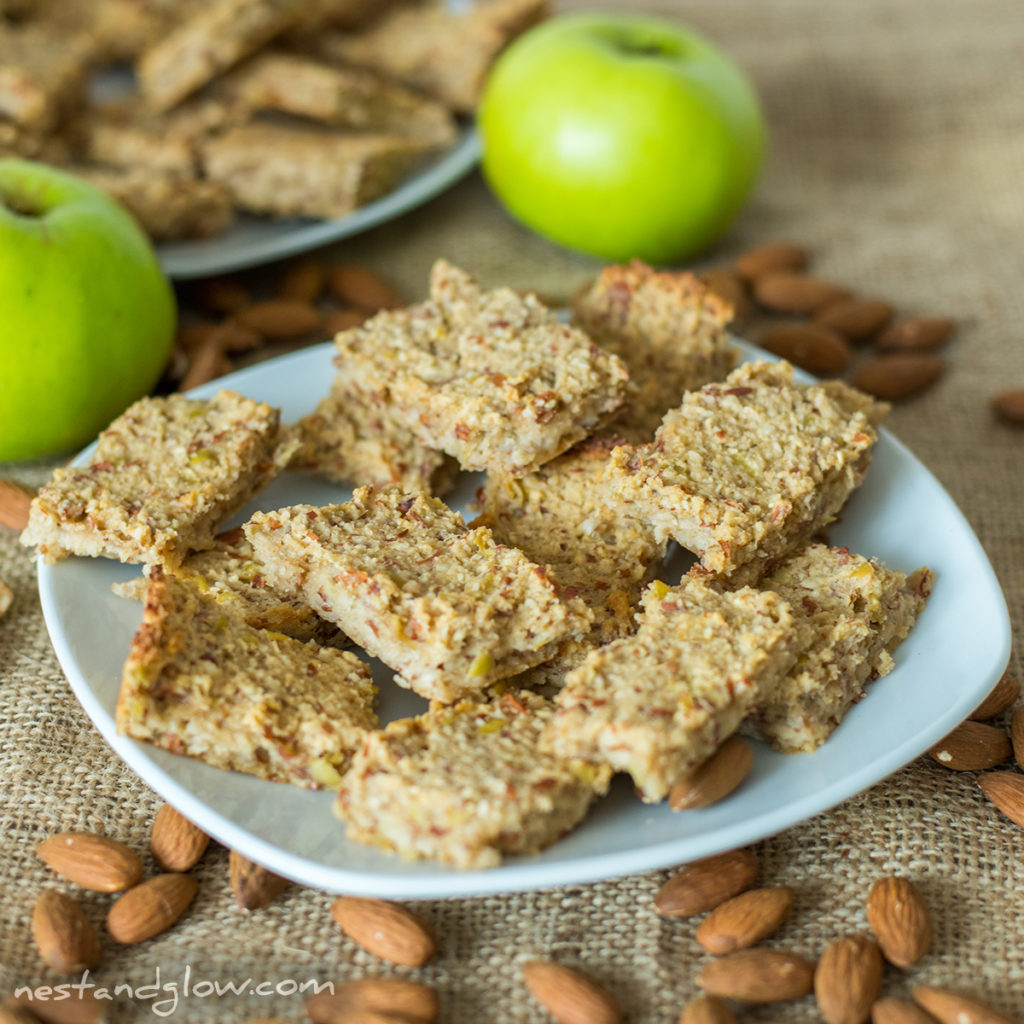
(745,919)
(812,347)
(855,319)
(1017,736)
(972,746)
(728,287)
(715,779)
(233,337)
(279,319)
(82,1008)
(1009,405)
(91,861)
(951,1007)
(771,257)
(386,929)
(704,884)
(253,885)
(1006,791)
(847,979)
(192,336)
(206,364)
(757,976)
(916,334)
(900,376)
(787,292)
(221,294)
(14,504)
(150,908)
(63,935)
(1004,694)
(569,995)
(362,288)
(304,281)
(898,1011)
(411,1000)
(339,320)
(900,919)
(706,1010)
(6,598)
(176,843)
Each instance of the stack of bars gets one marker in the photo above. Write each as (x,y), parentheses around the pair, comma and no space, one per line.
(550,652)
(284,108)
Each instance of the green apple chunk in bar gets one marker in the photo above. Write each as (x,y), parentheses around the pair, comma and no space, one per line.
(659,703)
(492,378)
(164,475)
(199,681)
(746,470)
(466,783)
(450,609)
(857,612)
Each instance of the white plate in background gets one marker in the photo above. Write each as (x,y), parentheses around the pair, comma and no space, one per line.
(901,514)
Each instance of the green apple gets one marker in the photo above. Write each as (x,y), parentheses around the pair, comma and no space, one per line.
(86,315)
(620,136)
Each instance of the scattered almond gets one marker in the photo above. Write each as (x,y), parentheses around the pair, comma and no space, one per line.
(304,281)
(253,885)
(6,598)
(745,919)
(176,843)
(972,746)
(771,257)
(855,319)
(386,929)
(706,1010)
(951,1007)
(221,294)
(899,917)
(192,336)
(279,319)
(91,861)
(1010,405)
(787,292)
(898,1011)
(233,337)
(150,908)
(814,347)
(569,995)
(916,334)
(339,320)
(899,376)
(409,1000)
(206,364)
(757,976)
(727,286)
(1006,791)
(1004,694)
(847,979)
(63,934)
(14,504)
(82,1008)
(362,288)
(1017,737)
(704,884)
(715,779)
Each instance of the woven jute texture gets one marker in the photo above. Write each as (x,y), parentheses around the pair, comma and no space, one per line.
(897,156)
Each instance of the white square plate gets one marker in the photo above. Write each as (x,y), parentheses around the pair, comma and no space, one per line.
(901,514)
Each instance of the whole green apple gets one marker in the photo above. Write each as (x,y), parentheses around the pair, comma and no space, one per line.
(86,315)
(620,136)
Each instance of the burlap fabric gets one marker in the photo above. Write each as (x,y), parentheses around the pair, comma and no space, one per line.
(897,154)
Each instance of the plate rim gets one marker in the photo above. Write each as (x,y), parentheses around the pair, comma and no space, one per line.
(522,875)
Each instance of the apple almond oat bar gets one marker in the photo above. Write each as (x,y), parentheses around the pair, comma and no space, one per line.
(557,517)
(746,470)
(289,170)
(659,703)
(667,327)
(203,683)
(448,608)
(492,378)
(42,71)
(855,612)
(164,475)
(350,440)
(466,783)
